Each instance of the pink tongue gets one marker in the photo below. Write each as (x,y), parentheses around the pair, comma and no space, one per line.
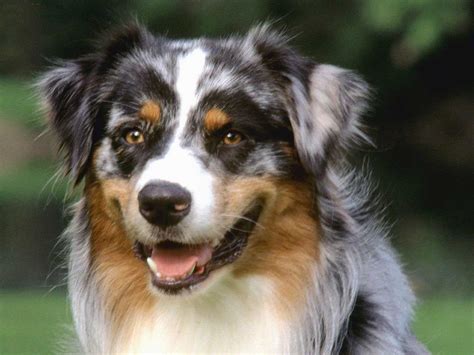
(178,261)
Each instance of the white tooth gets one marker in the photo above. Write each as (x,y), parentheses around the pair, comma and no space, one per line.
(158,275)
(190,272)
(152,265)
(169,278)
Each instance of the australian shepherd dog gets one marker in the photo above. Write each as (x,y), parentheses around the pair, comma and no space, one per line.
(218,211)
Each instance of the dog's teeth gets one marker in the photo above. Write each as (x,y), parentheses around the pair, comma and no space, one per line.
(152,266)
(190,272)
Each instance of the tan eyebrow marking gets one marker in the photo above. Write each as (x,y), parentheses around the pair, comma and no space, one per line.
(150,111)
(214,119)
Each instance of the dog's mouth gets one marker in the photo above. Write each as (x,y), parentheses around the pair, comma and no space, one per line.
(177,266)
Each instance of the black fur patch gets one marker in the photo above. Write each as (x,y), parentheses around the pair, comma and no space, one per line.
(362,320)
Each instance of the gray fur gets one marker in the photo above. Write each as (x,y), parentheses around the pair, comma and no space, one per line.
(359,275)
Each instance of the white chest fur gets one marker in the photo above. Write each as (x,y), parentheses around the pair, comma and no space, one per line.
(236,316)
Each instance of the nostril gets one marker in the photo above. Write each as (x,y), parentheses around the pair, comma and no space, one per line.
(180,207)
(146,206)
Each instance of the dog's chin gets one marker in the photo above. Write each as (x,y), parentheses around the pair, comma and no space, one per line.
(182,268)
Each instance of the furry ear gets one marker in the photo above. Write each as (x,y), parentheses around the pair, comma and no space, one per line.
(328,114)
(325,102)
(70,95)
(67,99)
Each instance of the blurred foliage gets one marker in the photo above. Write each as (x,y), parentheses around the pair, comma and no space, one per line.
(18,103)
(344,31)
(420,25)
(35,180)
(34,176)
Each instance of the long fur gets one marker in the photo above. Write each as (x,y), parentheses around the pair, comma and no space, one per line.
(355,298)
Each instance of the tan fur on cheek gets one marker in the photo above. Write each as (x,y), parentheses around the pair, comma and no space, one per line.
(284,244)
(122,277)
(238,194)
(116,196)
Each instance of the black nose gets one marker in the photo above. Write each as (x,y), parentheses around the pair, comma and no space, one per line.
(163,203)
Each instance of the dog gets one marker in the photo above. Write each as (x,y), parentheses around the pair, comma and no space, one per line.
(219,210)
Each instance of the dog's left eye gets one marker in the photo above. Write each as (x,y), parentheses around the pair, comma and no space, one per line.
(232,138)
(134,136)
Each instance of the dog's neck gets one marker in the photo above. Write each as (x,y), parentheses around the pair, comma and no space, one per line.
(236,316)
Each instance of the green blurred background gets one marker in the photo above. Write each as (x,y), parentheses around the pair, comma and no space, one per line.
(417,54)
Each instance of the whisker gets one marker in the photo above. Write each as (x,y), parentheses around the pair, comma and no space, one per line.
(238,230)
(244,218)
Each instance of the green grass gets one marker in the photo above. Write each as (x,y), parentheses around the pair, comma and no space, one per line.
(34,323)
(445,326)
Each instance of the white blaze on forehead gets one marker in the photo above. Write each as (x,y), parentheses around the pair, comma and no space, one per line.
(179,165)
(190,69)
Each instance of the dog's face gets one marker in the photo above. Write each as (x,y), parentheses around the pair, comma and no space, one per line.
(195,148)
(186,131)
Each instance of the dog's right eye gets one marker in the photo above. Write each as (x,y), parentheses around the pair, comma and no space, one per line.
(232,137)
(134,136)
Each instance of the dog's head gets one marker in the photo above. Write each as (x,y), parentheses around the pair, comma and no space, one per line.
(189,147)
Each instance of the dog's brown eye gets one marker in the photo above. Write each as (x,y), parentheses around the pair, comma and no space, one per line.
(232,138)
(134,136)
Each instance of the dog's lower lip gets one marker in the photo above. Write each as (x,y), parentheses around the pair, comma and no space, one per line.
(229,249)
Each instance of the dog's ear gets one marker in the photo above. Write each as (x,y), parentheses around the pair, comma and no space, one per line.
(325,102)
(66,97)
(70,94)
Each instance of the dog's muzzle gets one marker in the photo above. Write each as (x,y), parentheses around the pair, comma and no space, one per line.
(176,266)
